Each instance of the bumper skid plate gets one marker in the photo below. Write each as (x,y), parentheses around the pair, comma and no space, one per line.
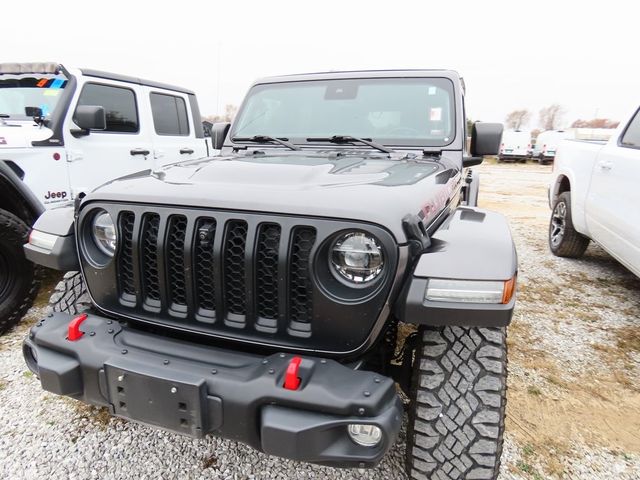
(197,390)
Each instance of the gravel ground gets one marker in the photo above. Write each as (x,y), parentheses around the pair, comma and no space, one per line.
(564,334)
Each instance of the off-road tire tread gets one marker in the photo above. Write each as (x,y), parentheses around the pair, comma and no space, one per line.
(70,295)
(456,421)
(15,230)
(573,244)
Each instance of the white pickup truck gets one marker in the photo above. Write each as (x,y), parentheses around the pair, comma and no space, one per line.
(64,131)
(594,195)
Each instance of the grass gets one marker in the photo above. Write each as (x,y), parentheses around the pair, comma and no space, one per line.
(99,415)
(533,390)
(628,339)
(27,374)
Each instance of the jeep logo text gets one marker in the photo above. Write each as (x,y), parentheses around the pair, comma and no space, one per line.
(51,194)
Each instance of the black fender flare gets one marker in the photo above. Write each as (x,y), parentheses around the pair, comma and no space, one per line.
(16,197)
(472,244)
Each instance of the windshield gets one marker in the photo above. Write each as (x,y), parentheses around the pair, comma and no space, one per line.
(390,111)
(30,90)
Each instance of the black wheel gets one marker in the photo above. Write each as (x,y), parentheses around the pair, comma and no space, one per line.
(456,420)
(71,295)
(564,240)
(19,278)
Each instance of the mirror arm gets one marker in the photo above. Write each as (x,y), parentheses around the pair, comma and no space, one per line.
(79,132)
(471,161)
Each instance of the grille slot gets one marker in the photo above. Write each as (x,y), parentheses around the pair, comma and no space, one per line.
(149,259)
(125,259)
(234,270)
(300,287)
(267,274)
(175,259)
(205,296)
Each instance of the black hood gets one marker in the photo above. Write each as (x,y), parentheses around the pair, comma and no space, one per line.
(372,188)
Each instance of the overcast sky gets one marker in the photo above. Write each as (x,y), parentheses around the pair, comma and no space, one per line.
(580,54)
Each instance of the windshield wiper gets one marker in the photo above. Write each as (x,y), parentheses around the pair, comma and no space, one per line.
(342,139)
(266,139)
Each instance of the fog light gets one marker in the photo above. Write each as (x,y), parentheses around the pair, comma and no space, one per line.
(365,435)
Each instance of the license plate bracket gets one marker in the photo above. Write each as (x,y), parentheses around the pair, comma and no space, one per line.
(178,405)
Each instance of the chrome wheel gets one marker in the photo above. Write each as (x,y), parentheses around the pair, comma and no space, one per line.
(558,223)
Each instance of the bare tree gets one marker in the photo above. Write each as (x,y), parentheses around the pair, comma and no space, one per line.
(595,123)
(229,114)
(551,116)
(517,119)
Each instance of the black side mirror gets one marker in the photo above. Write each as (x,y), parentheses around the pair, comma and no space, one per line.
(219,132)
(485,138)
(90,117)
(33,112)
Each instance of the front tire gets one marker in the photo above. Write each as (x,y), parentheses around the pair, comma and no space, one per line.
(71,295)
(19,278)
(564,239)
(456,420)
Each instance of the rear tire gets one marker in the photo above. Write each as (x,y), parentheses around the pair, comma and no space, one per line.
(456,420)
(19,278)
(564,240)
(71,295)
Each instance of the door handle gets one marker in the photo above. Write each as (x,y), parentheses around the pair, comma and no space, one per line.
(139,151)
(604,165)
(188,151)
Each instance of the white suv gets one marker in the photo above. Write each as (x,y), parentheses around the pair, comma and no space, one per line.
(66,131)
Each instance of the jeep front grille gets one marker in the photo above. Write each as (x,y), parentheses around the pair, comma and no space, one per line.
(239,275)
(241,269)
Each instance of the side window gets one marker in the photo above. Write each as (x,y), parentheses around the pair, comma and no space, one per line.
(119,106)
(169,114)
(631,136)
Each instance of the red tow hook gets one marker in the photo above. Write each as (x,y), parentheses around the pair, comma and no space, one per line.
(291,379)
(74,332)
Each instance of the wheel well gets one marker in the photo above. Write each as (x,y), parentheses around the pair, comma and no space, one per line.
(564,186)
(12,201)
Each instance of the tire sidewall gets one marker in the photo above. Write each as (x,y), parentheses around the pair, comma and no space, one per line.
(21,272)
(563,198)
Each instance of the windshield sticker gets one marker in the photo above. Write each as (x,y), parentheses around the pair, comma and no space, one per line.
(51,93)
(57,83)
(435,114)
(45,109)
(432,90)
(42,82)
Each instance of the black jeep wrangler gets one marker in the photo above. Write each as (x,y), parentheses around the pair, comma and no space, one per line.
(285,293)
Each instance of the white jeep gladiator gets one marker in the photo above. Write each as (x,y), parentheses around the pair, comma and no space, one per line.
(66,131)
(593,196)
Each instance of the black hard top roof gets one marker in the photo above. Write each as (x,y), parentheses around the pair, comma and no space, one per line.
(403,73)
(138,81)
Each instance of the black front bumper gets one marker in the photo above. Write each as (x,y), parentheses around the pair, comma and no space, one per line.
(197,390)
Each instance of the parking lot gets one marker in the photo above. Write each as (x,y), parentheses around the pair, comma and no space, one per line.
(573,401)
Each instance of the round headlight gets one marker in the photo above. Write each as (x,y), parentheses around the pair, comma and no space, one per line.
(104,233)
(357,257)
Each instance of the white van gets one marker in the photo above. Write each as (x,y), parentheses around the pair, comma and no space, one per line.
(547,143)
(516,146)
